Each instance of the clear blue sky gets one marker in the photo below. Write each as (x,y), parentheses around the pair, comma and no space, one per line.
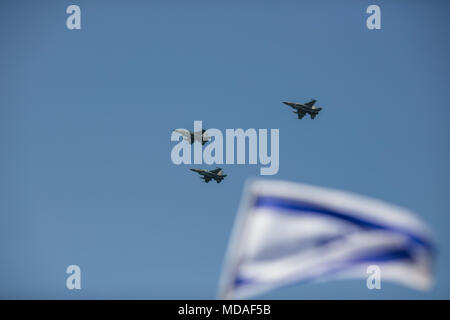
(86,117)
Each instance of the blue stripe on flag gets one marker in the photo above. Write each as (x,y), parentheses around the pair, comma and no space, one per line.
(301,207)
(378,256)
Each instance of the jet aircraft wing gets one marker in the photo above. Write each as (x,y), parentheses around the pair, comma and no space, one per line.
(207,179)
(186,134)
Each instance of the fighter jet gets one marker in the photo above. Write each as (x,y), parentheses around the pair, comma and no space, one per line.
(192,137)
(302,109)
(208,175)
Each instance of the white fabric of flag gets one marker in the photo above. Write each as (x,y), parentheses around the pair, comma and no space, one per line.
(288,233)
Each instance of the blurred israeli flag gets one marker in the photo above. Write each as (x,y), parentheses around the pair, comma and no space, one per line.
(289,233)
